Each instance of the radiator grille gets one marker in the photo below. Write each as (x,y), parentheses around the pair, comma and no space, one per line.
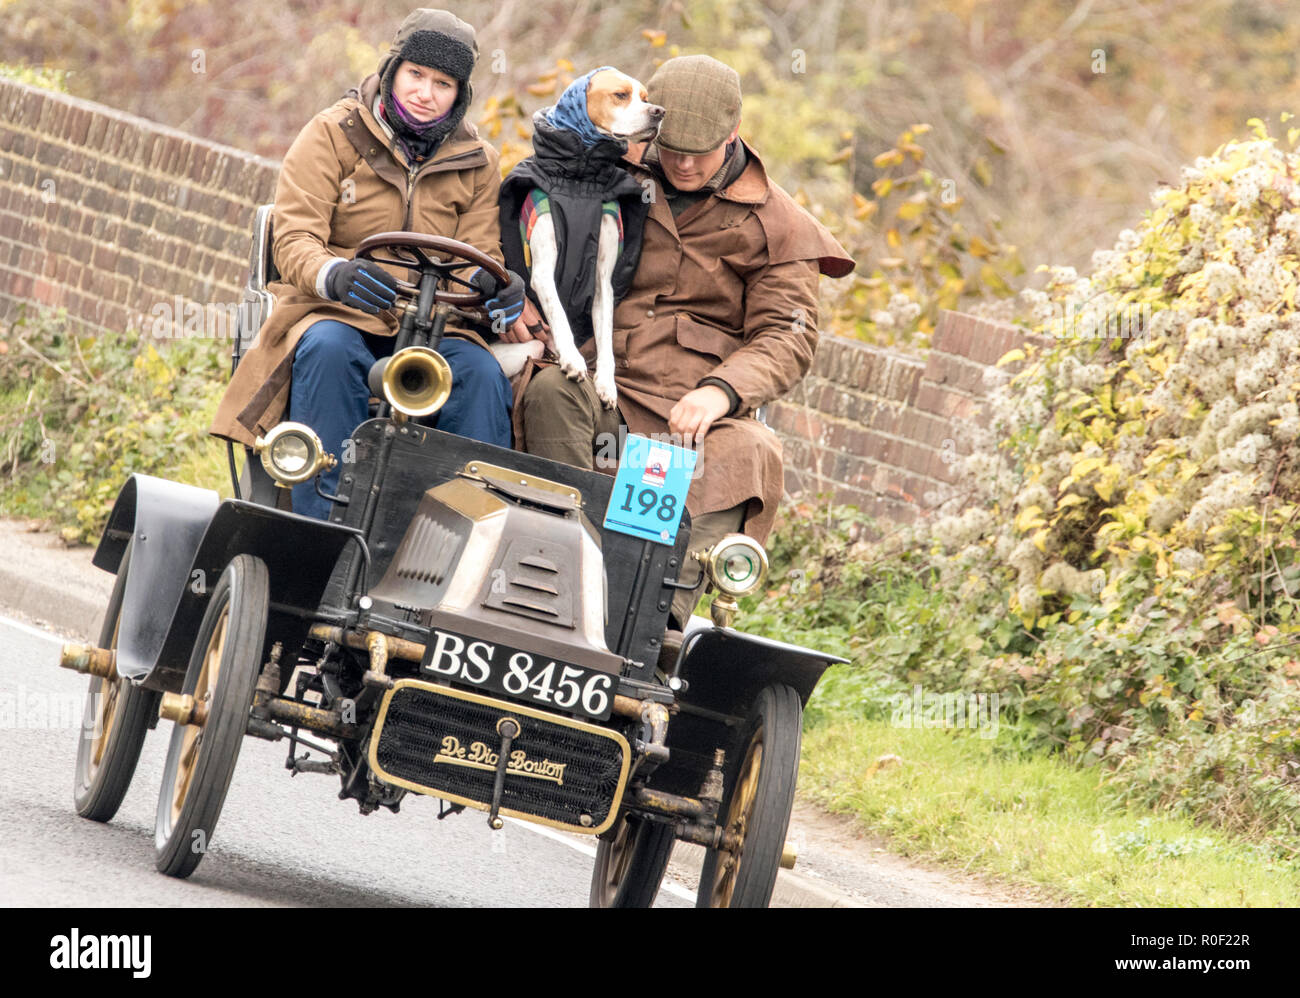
(441,741)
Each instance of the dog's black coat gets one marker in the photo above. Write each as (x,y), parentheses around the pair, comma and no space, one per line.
(577,179)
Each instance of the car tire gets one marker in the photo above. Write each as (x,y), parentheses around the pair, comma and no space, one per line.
(630,865)
(758,796)
(114,723)
(201,760)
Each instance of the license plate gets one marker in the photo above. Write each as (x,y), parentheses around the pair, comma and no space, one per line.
(519,674)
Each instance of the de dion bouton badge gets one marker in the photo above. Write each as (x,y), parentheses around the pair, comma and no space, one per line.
(650,489)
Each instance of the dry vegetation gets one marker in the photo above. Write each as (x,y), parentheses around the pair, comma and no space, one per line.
(1049,122)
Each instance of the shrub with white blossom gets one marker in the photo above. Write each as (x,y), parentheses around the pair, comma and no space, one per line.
(1129,564)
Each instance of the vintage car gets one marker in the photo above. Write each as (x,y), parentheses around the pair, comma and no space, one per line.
(466,625)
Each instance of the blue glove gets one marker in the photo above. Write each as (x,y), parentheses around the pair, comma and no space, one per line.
(507,304)
(362,284)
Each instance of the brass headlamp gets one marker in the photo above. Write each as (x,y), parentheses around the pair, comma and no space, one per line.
(292,453)
(737,566)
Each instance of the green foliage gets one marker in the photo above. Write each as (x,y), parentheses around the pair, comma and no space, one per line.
(1128,575)
(37,76)
(79,415)
(916,254)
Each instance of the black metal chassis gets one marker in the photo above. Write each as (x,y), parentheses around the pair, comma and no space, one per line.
(184,537)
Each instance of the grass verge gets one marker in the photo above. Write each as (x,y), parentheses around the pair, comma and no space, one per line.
(998,806)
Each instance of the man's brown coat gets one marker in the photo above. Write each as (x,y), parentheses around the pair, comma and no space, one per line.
(728,290)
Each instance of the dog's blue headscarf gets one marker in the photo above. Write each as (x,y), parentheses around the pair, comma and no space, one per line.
(570,111)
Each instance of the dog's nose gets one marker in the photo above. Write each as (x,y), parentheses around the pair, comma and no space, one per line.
(655,111)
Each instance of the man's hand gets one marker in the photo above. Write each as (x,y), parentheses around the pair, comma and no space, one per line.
(529,326)
(696,411)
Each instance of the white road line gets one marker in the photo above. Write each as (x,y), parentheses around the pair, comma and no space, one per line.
(589,850)
(18,625)
(542,830)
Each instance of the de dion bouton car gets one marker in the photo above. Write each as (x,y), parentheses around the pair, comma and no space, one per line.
(471,623)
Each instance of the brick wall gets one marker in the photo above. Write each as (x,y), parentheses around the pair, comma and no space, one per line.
(881,430)
(108,215)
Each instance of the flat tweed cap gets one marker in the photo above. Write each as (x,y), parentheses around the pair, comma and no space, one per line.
(701,101)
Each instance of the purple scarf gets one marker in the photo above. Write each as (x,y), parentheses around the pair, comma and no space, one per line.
(419,139)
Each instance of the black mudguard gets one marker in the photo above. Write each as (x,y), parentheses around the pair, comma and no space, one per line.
(164,523)
(725,671)
(183,540)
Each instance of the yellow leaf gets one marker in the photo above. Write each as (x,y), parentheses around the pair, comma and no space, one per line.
(1086,465)
(882,187)
(863,208)
(909,210)
(655,38)
(541,89)
(1030,516)
(894,239)
(1040,539)
(1104,488)
(979,248)
(890,157)
(565,65)
(1010,357)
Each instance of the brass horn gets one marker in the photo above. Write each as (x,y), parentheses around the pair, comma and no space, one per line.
(415,381)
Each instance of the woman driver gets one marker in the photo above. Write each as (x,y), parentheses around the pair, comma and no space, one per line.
(394,154)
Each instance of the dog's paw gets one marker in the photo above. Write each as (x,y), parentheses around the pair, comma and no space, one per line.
(573,364)
(606,390)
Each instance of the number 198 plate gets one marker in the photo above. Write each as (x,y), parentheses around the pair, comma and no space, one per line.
(519,674)
(650,489)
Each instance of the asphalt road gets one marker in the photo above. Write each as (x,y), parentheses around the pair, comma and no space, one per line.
(281,841)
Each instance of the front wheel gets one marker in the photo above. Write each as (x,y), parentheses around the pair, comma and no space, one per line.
(758,796)
(222,677)
(113,725)
(630,866)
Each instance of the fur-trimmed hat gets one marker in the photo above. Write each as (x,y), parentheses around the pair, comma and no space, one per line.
(434,38)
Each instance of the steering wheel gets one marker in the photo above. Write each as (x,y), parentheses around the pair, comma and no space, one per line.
(435,255)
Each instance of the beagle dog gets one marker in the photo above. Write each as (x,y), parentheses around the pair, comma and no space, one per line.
(617,109)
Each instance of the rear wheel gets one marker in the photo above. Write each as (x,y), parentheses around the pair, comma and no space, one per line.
(630,866)
(113,725)
(222,677)
(757,799)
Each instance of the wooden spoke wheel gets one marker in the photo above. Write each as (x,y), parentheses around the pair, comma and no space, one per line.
(221,679)
(758,796)
(630,866)
(113,725)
